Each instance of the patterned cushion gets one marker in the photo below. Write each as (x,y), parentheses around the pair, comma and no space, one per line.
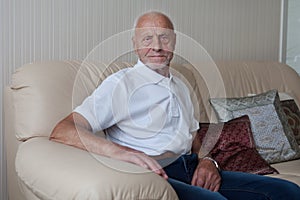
(273,136)
(235,149)
(293,116)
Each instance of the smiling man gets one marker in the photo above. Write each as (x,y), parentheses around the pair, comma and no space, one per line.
(147,115)
(154,41)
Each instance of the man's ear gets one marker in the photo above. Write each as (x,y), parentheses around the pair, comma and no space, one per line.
(134,44)
(174,41)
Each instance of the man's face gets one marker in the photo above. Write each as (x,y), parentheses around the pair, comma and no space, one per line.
(154,42)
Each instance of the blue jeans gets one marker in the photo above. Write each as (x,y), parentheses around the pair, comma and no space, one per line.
(234,185)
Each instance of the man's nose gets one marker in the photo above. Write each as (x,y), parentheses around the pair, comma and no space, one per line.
(156,44)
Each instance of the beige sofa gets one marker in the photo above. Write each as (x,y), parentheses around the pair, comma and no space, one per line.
(43,93)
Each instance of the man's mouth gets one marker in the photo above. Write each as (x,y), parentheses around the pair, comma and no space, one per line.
(156,56)
(159,58)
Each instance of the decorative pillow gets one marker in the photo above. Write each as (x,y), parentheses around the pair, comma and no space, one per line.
(293,116)
(235,149)
(272,134)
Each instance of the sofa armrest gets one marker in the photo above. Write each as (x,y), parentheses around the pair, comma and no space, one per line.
(52,170)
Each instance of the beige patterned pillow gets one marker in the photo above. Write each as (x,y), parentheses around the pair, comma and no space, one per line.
(273,137)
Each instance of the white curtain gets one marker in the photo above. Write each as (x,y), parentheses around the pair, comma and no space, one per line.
(293,35)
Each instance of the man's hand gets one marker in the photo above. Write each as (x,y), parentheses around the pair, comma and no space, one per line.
(139,158)
(207,176)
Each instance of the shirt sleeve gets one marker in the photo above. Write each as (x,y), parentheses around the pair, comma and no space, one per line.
(194,125)
(97,108)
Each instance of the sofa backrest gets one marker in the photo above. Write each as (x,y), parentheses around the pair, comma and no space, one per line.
(46,92)
(41,94)
(241,78)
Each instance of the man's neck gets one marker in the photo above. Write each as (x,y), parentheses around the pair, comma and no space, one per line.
(163,71)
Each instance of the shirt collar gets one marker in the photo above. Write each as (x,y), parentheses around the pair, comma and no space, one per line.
(149,74)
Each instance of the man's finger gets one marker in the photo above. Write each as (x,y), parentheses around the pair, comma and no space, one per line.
(152,165)
(194,179)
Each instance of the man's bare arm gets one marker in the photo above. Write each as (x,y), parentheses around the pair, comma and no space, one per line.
(76,131)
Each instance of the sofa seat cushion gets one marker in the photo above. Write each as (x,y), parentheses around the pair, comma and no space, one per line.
(288,171)
(288,177)
(291,167)
(55,171)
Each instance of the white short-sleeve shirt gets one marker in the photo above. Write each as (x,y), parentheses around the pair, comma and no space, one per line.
(143,110)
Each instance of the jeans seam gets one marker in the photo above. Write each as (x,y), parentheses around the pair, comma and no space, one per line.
(185,168)
(249,191)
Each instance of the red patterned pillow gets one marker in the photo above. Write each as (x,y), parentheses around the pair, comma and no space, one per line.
(234,149)
(293,116)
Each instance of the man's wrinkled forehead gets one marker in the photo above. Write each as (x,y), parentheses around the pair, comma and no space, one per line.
(153,30)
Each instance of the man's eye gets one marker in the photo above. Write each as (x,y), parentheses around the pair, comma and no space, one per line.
(164,38)
(148,38)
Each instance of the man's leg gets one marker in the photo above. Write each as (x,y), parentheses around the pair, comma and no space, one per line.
(180,174)
(186,191)
(237,185)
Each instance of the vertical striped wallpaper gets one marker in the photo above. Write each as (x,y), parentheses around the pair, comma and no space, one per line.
(35,30)
(68,29)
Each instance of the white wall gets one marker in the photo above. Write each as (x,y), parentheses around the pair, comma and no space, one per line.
(35,30)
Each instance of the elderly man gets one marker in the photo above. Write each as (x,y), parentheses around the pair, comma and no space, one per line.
(147,115)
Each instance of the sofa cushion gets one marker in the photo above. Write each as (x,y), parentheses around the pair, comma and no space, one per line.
(291,167)
(288,171)
(234,147)
(52,170)
(273,136)
(289,177)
